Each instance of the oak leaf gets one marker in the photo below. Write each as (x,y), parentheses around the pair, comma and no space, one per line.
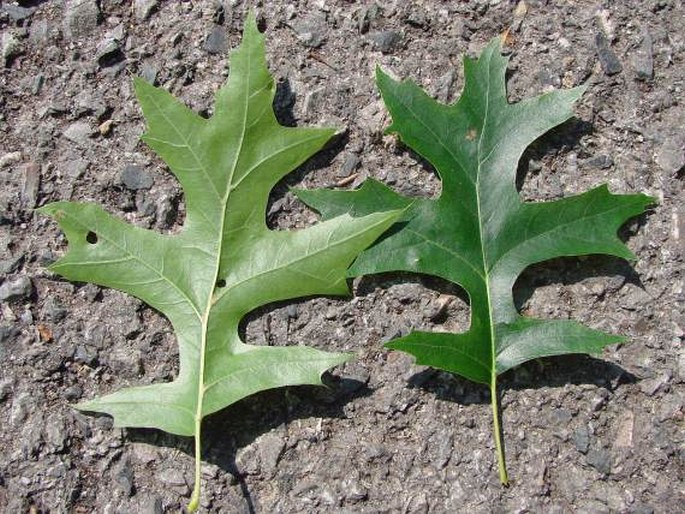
(225,262)
(479,233)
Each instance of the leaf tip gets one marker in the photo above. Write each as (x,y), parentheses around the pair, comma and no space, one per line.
(344,357)
(392,344)
(250,27)
(649,200)
(44,210)
(141,86)
(53,210)
(380,74)
(85,406)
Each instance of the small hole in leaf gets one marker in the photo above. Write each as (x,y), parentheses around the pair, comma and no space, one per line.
(221,283)
(92,237)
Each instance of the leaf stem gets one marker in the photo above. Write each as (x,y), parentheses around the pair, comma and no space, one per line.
(194,502)
(497,431)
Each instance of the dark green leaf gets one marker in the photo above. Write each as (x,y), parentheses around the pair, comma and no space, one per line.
(479,233)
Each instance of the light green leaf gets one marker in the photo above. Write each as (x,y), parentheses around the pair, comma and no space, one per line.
(479,233)
(225,262)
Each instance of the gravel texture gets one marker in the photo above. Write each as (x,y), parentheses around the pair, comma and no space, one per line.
(583,434)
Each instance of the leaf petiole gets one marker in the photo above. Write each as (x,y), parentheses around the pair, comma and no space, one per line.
(194,502)
(497,432)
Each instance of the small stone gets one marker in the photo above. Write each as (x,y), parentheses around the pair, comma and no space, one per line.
(135,177)
(174,478)
(151,505)
(643,58)
(350,164)
(549,78)
(167,211)
(443,444)
(291,311)
(149,73)
(53,310)
(10,48)
(216,42)
(599,400)
(641,508)
(45,257)
(624,435)
(55,433)
(10,265)
(145,205)
(311,32)
(407,293)
(681,367)
(81,17)
(7,333)
(313,100)
(26,317)
(328,497)
(607,58)
(436,309)
(89,103)
(386,41)
(144,8)
(20,287)
(650,386)
(16,12)
(40,32)
(6,386)
(519,15)
(123,361)
(30,184)
(270,447)
(581,439)
(10,158)
(108,52)
(634,297)
(143,453)
(600,459)
(123,477)
(601,162)
(353,491)
(373,452)
(247,460)
(85,354)
(37,85)
(561,416)
(445,86)
(73,393)
(671,156)
(366,16)
(79,132)
(105,127)
(20,408)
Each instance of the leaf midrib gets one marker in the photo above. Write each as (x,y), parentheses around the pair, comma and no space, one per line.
(219,248)
(486,270)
